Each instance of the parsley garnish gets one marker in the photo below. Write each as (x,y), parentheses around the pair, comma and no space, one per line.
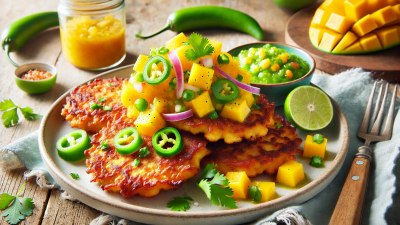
(200,47)
(143,152)
(74,176)
(104,145)
(216,186)
(10,113)
(136,162)
(16,208)
(180,203)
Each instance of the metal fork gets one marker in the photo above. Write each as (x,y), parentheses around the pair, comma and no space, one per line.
(349,205)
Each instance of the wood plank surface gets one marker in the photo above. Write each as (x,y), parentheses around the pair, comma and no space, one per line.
(143,15)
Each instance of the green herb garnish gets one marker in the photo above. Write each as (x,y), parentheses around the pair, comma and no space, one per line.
(200,47)
(143,152)
(10,116)
(74,176)
(104,145)
(94,106)
(136,162)
(180,203)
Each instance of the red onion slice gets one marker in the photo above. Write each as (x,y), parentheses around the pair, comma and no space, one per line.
(246,87)
(176,63)
(178,116)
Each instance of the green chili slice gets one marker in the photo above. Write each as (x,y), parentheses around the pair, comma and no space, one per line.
(155,76)
(127,141)
(167,142)
(71,147)
(225,90)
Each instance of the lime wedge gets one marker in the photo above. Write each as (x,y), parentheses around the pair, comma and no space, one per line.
(308,108)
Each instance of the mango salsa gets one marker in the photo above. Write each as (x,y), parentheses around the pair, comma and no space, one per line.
(290,173)
(202,105)
(148,122)
(201,76)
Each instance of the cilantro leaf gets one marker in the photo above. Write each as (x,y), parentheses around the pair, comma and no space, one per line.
(180,203)
(5,200)
(222,196)
(205,185)
(74,176)
(10,117)
(200,47)
(6,105)
(219,179)
(28,114)
(18,210)
(209,171)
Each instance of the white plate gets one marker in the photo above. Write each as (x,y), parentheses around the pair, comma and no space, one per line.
(154,210)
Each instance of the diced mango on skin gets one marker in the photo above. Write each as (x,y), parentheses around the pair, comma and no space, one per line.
(329,40)
(140,63)
(185,62)
(370,42)
(201,76)
(320,17)
(238,110)
(348,39)
(388,36)
(384,16)
(336,6)
(176,41)
(354,48)
(355,9)
(290,173)
(312,148)
(364,25)
(239,182)
(338,23)
(149,122)
(315,35)
(202,105)
(267,190)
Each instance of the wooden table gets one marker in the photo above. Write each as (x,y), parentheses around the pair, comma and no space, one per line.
(142,15)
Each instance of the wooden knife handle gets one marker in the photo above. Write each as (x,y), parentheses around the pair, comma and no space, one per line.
(349,205)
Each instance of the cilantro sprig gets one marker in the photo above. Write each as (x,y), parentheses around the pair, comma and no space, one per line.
(200,47)
(10,116)
(216,187)
(180,203)
(16,208)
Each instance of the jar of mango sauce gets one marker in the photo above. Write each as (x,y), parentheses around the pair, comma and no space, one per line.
(93,32)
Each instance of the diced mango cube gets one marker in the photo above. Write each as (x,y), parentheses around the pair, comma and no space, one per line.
(132,112)
(160,105)
(355,9)
(385,16)
(149,122)
(185,62)
(315,34)
(140,63)
(127,97)
(239,182)
(217,48)
(348,39)
(354,48)
(364,25)
(248,96)
(231,68)
(370,42)
(290,173)
(202,104)
(176,42)
(388,36)
(374,5)
(336,6)
(312,148)
(329,40)
(338,23)
(267,190)
(246,76)
(320,17)
(201,76)
(238,110)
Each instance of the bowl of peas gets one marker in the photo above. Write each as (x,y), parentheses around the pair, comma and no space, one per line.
(276,68)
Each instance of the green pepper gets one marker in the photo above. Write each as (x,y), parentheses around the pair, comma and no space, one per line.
(167,142)
(127,141)
(225,90)
(200,17)
(152,77)
(23,29)
(71,147)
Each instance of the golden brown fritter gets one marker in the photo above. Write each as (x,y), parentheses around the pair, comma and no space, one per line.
(255,125)
(116,173)
(265,154)
(87,105)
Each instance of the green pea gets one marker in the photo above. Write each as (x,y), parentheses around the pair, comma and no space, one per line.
(141,104)
(255,194)
(239,77)
(213,115)
(188,95)
(139,77)
(318,138)
(316,161)
(223,59)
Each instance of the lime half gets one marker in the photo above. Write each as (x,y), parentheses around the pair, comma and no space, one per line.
(309,108)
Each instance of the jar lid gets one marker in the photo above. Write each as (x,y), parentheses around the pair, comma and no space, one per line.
(89,6)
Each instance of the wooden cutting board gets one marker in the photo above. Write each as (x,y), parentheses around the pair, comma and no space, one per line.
(384,64)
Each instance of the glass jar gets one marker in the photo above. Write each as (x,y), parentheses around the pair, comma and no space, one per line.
(93,32)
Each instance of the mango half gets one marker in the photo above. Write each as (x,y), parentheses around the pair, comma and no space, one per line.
(356,26)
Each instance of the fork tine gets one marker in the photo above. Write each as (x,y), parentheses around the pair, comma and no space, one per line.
(387,130)
(364,124)
(377,103)
(378,121)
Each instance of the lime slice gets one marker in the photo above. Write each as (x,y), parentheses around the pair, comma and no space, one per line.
(309,108)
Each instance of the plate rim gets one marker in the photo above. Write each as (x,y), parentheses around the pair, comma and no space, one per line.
(59,175)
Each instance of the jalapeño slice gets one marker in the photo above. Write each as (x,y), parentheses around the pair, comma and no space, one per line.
(127,141)
(155,76)
(167,142)
(71,147)
(225,90)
